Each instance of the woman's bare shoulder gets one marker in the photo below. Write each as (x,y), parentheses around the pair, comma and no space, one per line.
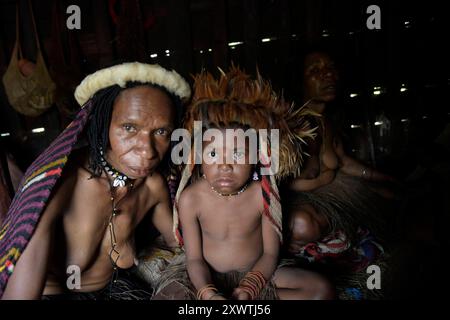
(156,182)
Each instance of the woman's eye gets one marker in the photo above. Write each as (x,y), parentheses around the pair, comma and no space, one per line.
(162,132)
(129,127)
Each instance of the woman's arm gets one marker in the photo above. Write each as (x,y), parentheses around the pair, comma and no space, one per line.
(162,217)
(28,279)
(30,272)
(353,167)
(302,184)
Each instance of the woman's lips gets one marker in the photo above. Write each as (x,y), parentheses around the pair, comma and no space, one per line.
(140,171)
(330,87)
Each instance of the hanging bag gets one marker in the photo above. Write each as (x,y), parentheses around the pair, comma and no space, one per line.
(28,86)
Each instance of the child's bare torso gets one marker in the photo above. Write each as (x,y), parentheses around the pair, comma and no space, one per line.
(82,236)
(231,227)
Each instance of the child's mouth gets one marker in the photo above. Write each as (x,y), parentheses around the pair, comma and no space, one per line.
(224,182)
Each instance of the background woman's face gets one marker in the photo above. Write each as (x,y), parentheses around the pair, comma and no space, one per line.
(139,134)
(320,77)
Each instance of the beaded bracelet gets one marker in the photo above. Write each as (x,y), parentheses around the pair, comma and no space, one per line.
(255,277)
(253,283)
(250,290)
(202,291)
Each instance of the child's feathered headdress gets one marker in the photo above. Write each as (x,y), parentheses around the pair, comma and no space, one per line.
(237,99)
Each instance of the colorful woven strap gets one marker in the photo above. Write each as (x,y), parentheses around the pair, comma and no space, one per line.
(33,194)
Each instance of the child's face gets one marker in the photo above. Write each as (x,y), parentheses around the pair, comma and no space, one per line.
(226,163)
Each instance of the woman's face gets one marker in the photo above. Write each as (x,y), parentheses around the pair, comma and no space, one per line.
(139,134)
(320,77)
(226,164)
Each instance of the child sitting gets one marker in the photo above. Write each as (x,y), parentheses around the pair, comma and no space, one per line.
(230,214)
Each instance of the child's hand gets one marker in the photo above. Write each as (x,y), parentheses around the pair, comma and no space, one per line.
(240,294)
(218,297)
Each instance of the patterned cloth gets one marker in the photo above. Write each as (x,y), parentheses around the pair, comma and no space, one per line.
(346,263)
(33,194)
(337,250)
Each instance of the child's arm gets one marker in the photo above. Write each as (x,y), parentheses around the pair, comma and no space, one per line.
(162,214)
(197,268)
(267,263)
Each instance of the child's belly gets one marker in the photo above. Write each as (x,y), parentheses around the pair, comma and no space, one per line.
(225,256)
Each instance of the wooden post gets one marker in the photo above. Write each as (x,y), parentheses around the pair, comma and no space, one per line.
(313,19)
(130,32)
(251,34)
(103,33)
(220,45)
(284,46)
(179,36)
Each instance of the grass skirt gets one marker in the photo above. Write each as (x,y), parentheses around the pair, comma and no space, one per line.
(166,271)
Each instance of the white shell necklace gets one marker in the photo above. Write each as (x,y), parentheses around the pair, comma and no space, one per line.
(119,179)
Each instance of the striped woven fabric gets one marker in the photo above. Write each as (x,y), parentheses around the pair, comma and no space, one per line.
(271,201)
(33,194)
(270,193)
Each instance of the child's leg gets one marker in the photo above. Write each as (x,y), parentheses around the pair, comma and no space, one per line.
(298,284)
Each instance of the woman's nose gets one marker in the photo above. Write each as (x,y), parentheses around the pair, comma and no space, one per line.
(329,73)
(146,148)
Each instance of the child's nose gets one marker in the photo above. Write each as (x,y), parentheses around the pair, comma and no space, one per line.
(225,167)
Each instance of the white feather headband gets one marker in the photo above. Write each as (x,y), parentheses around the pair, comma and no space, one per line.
(132,71)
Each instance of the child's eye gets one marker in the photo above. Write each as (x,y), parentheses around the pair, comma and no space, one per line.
(238,155)
(212,154)
(129,128)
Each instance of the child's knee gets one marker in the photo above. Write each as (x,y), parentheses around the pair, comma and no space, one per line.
(303,285)
(324,289)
